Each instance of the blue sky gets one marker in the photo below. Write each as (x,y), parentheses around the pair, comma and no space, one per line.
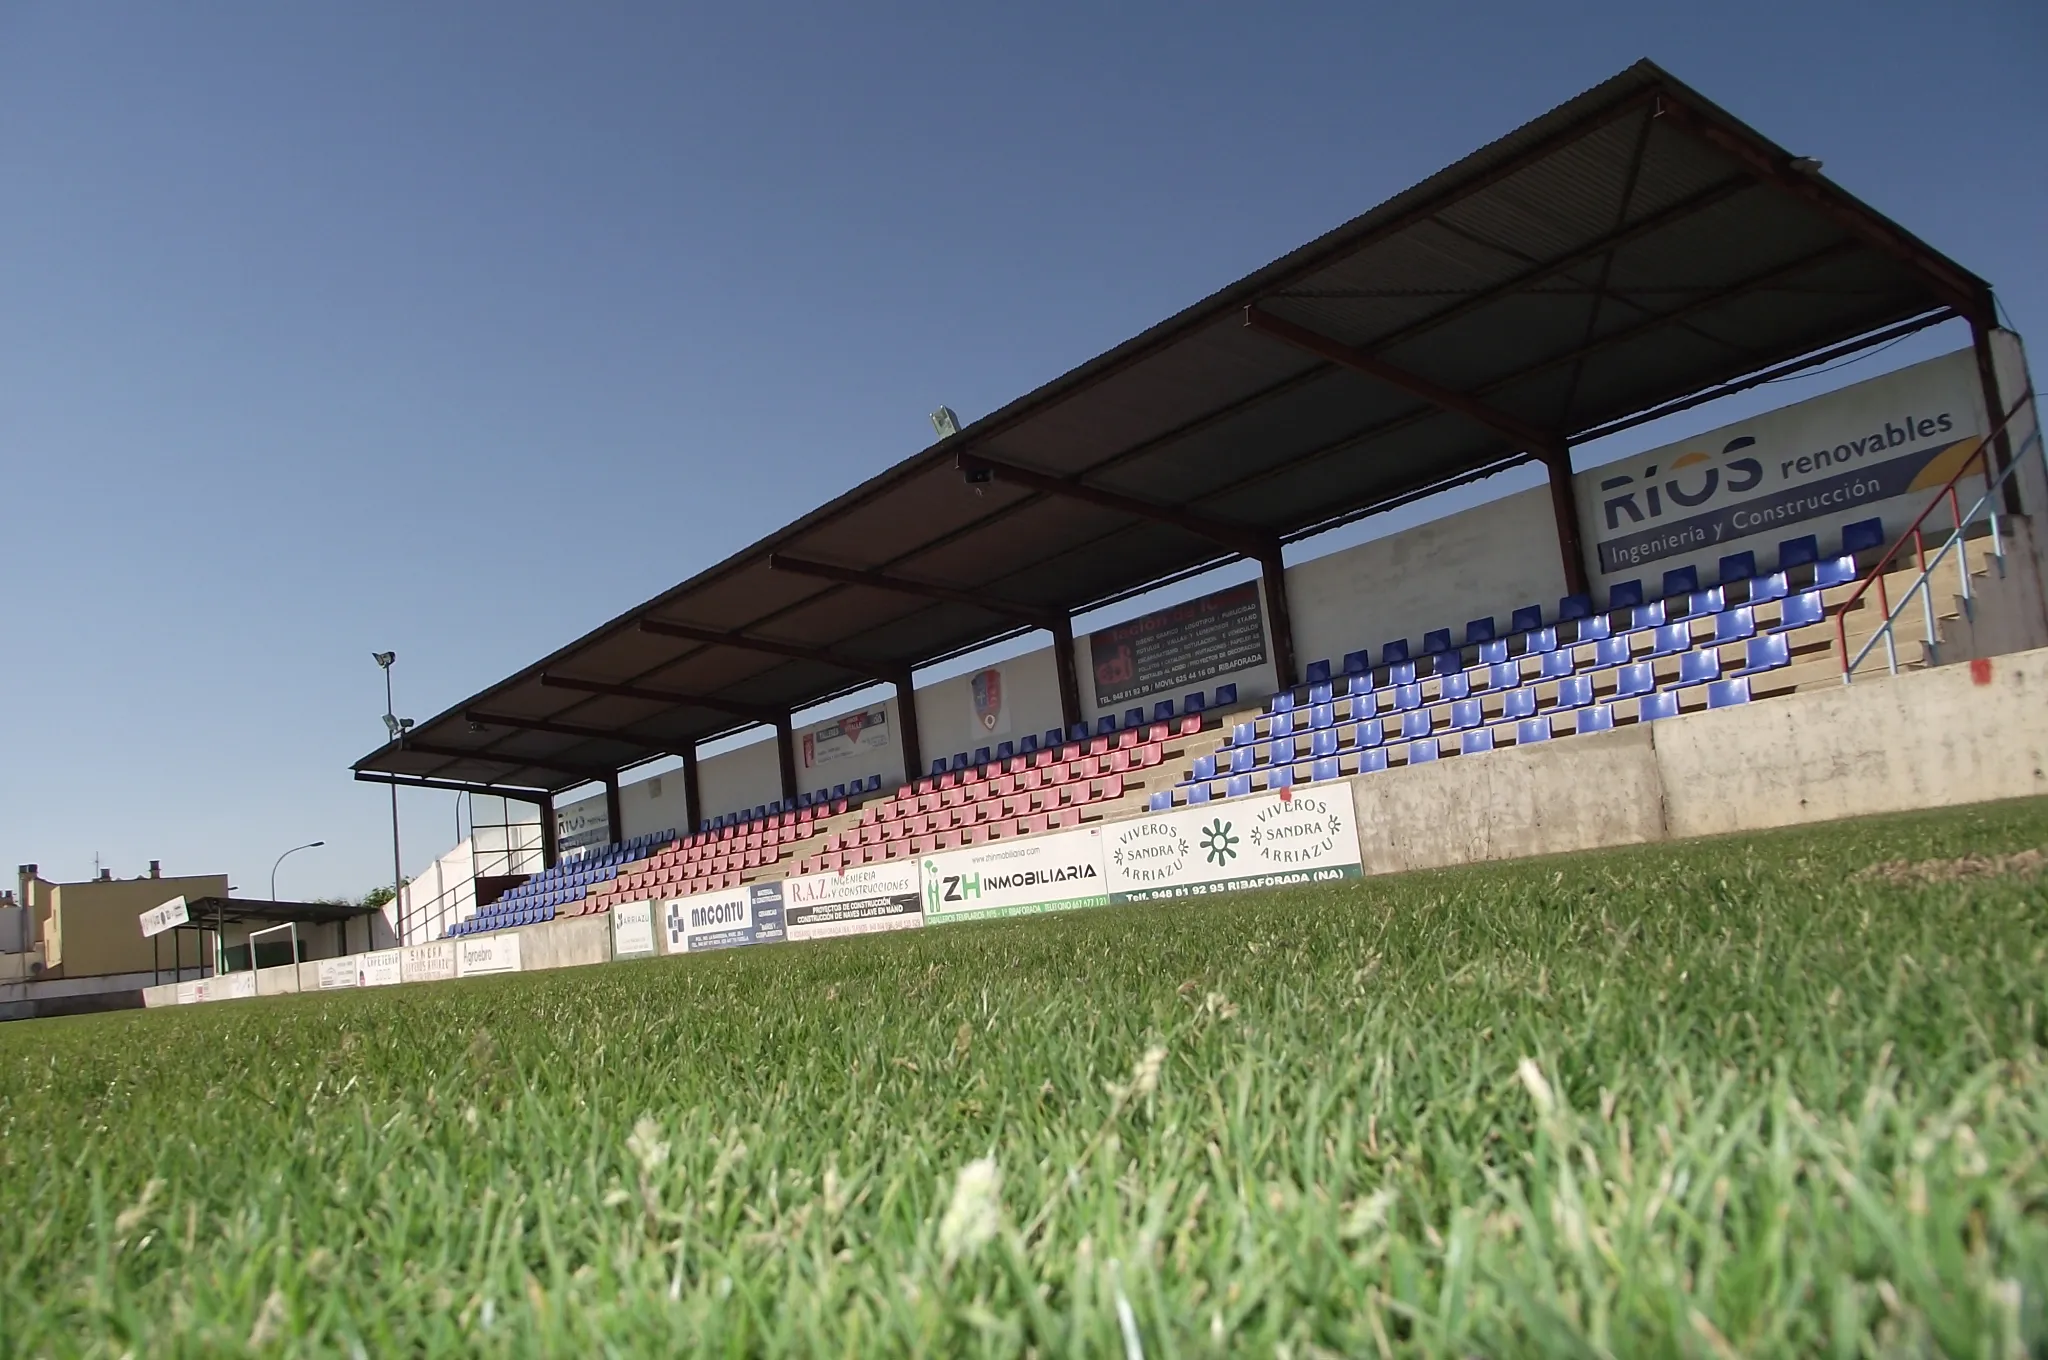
(456,329)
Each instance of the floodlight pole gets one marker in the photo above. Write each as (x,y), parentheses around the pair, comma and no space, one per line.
(384,662)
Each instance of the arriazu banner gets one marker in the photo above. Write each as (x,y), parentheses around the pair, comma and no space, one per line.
(1268,841)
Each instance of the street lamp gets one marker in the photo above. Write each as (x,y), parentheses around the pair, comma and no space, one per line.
(397,727)
(309,845)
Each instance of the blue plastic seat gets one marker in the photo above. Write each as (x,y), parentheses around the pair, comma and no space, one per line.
(1133,718)
(1162,711)
(1320,693)
(1594,629)
(1711,600)
(1028,746)
(1573,607)
(1226,695)
(1670,639)
(1201,793)
(1454,685)
(1647,616)
(1162,801)
(1436,640)
(1526,619)
(1283,724)
(1105,726)
(1281,752)
(1325,768)
(1681,581)
(1323,742)
(1321,716)
(1596,718)
(1612,651)
(1836,571)
(1493,651)
(1539,640)
(1517,704)
(1407,697)
(1737,567)
(1192,705)
(1798,552)
(1624,595)
(1422,752)
(1372,760)
(1766,588)
(1767,653)
(1700,667)
(1244,759)
(1466,713)
(1357,663)
(1531,730)
(1478,740)
(1370,733)
(1801,610)
(1862,536)
(1401,673)
(1318,672)
(959,763)
(1555,666)
(1416,723)
(1203,771)
(1280,777)
(1658,704)
(1244,734)
(1728,693)
(1478,631)
(1633,679)
(1575,691)
(1503,675)
(982,756)
(1394,652)
(1282,702)
(1237,786)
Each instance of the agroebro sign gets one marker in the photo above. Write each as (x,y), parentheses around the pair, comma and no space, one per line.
(1874,450)
(1308,836)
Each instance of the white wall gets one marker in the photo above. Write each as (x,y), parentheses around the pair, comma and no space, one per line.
(1490,559)
(439,896)
(744,777)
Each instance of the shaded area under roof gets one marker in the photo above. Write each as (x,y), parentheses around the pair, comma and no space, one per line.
(206,912)
(1632,248)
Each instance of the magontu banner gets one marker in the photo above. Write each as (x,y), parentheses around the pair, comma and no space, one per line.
(871,898)
(632,930)
(337,973)
(712,920)
(1055,872)
(1266,841)
(428,962)
(382,968)
(487,954)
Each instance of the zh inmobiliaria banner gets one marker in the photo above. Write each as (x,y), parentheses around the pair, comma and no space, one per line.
(1268,841)
(1055,872)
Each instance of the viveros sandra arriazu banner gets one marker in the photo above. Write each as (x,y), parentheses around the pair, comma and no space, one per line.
(857,902)
(1055,872)
(1267,841)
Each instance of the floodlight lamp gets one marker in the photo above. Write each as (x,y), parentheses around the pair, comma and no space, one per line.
(945,422)
(1806,165)
(384,659)
(391,725)
(405,724)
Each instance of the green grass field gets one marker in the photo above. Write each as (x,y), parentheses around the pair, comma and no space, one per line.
(1726,1098)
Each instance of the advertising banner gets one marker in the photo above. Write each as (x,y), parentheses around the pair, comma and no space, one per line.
(381,968)
(988,702)
(1876,450)
(1179,646)
(583,824)
(632,930)
(854,739)
(241,986)
(1055,872)
(157,920)
(1268,841)
(487,954)
(191,993)
(856,902)
(724,920)
(337,972)
(428,962)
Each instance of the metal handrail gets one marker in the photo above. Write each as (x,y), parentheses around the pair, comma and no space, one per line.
(1921,586)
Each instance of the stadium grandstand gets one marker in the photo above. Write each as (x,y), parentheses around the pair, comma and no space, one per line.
(1634,253)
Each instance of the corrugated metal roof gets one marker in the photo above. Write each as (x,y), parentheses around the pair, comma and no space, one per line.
(1631,247)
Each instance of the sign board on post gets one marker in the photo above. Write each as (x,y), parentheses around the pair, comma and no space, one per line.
(1268,841)
(856,902)
(1055,872)
(1184,644)
(488,954)
(169,916)
(381,968)
(338,973)
(632,930)
(428,962)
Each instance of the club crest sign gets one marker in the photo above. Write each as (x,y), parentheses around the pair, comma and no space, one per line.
(986,689)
